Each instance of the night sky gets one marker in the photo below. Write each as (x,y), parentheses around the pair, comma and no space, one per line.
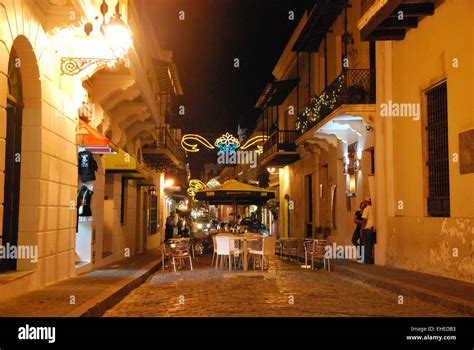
(218,96)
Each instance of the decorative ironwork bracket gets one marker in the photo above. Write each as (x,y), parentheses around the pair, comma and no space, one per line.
(74,65)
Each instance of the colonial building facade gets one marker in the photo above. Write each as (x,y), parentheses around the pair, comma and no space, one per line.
(318,114)
(81,78)
(373,99)
(424,189)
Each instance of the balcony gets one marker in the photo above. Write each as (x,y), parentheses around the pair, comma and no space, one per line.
(165,154)
(380,18)
(351,87)
(280,149)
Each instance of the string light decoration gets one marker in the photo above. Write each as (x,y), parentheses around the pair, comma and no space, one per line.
(193,147)
(314,110)
(254,140)
(213,183)
(225,143)
(195,185)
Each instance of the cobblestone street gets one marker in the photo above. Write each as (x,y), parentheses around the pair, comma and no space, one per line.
(284,290)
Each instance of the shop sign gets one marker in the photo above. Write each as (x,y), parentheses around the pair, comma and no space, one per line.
(120,161)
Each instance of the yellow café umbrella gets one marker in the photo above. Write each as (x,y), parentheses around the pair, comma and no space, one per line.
(236,193)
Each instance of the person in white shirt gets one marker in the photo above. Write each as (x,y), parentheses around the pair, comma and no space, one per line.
(368,231)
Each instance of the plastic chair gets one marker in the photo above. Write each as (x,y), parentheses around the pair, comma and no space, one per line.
(226,247)
(223,249)
(214,246)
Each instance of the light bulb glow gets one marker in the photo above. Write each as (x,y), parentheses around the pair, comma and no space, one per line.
(118,37)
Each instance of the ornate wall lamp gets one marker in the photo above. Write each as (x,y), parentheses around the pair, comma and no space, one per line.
(152,191)
(117,35)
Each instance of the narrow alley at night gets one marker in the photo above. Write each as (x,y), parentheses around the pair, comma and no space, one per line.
(283,166)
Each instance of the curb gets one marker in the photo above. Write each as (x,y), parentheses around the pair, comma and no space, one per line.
(448,301)
(98,305)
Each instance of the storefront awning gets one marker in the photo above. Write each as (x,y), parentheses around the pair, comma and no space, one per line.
(93,140)
(125,164)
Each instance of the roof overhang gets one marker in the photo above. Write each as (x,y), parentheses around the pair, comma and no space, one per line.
(275,93)
(346,129)
(381,19)
(345,124)
(319,23)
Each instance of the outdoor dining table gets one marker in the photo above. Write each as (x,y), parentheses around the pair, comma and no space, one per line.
(244,239)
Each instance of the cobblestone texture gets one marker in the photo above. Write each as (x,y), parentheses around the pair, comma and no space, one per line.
(55,300)
(207,292)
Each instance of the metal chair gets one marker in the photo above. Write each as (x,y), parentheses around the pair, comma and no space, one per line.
(290,248)
(181,252)
(166,254)
(316,249)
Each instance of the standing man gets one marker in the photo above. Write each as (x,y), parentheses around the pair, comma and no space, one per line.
(356,236)
(368,231)
(169,226)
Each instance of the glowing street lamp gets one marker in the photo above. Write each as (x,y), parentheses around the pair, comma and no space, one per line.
(169,183)
(118,38)
(271,170)
(118,35)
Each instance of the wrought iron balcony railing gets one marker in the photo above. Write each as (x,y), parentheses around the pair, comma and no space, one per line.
(280,141)
(352,86)
(166,141)
(165,153)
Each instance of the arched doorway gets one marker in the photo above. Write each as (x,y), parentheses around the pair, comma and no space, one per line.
(14,123)
(23,112)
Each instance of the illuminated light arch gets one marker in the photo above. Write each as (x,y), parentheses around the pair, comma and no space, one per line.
(193,147)
(195,185)
(213,183)
(254,140)
(226,142)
